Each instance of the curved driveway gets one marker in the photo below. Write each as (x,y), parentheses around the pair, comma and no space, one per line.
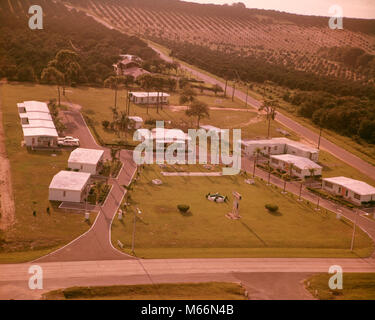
(95,244)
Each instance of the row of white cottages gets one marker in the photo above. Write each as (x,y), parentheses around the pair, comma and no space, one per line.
(37,124)
(72,186)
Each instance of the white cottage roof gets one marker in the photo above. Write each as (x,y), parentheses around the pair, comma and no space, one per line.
(39,132)
(149,94)
(39,124)
(299,162)
(356,186)
(86,156)
(136,119)
(70,180)
(35,106)
(36,116)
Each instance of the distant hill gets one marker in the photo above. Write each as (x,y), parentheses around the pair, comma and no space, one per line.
(294,41)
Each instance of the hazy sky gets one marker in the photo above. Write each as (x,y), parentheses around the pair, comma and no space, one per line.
(352,8)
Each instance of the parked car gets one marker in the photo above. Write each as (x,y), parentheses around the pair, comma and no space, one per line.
(68,142)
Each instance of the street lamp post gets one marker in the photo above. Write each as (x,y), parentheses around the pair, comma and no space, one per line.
(300,192)
(134,227)
(320,137)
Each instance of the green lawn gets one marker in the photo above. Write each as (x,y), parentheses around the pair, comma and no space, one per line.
(356,286)
(297,230)
(173,291)
(31,237)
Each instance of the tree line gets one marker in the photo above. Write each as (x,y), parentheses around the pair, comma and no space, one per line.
(25,53)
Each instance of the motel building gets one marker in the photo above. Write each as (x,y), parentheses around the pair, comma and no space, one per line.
(210,128)
(278,146)
(355,191)
(301,166)
(69,186)
(86,160)
(37,124)
(40,137)
(149,97)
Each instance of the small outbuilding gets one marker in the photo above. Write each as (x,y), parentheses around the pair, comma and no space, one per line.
(149,97)
(355,191)
(135,122)
(299,166)
(86,160)
(69,186)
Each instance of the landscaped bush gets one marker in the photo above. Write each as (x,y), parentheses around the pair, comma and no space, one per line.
(183,208)
(272,207)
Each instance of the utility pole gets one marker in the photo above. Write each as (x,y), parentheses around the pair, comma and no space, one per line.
(320,136)
(225,90)
(234,90)
(300,192)
(136,211)
(353,236)
(247,94)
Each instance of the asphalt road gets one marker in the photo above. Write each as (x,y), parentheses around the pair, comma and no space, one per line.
(264,278)
(306,133)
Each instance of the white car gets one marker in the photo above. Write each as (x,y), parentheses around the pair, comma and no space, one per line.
(68,141)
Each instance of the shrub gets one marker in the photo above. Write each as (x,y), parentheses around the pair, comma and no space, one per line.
(272,207)
(105,124)
(183,208)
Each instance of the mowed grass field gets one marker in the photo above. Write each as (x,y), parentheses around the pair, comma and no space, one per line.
(32,172)
(356,286)
(297,230)
(170,291)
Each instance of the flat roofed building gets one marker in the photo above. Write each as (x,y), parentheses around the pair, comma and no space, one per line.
(32,106)
(39,124)
(352,190)
(137,122)
(277,146)
(86,160)
(28,116)
(40,137)
(149,97)
(299,166)
(168,136)
(208,128)
(69,186)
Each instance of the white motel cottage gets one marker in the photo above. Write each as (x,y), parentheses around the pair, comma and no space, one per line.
(86,160)
(277,146)
(352,190)
(149,97)
(300,166)
(69,186)
(37,124)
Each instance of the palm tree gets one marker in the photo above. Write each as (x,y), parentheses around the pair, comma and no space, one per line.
(188,95)
(198,109)
(112,82)
(257,152)
(269,106)
(114,152)
(53,76)
(123,123)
